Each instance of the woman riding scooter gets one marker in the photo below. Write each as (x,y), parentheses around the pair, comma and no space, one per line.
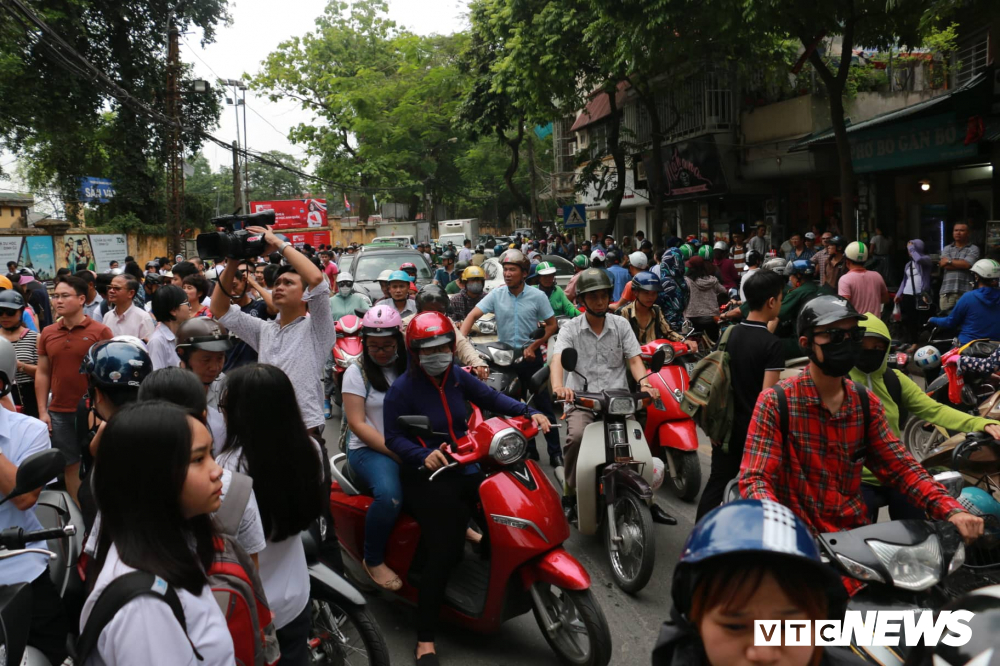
(434,387)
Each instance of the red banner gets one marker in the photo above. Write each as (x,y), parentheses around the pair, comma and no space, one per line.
(313,238)
(295,213)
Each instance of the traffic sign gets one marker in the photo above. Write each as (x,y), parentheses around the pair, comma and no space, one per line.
(575,216)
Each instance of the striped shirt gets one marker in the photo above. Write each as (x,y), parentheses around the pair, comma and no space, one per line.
(26,351)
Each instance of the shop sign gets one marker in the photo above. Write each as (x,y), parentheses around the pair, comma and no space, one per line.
(692,169)
(902,145)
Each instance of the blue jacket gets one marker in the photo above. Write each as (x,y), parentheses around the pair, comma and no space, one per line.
(976,316)
(414,393)
(620,276)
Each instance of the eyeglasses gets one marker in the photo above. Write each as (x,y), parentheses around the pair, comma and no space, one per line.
(838,335)
(384,349)
(113,288)
(59,297)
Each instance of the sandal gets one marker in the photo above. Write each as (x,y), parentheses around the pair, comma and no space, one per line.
(429,659)
(392,584)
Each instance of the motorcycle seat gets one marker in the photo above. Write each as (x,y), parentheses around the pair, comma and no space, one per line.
(981,349)
(356,480)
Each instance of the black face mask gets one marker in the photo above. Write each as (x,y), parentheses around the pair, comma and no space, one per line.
(870,360)
(838,357)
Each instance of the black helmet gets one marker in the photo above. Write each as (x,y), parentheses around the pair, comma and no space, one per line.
(116,364)
(432,293)
(824,310)
(611,257)
(154,278)
(461,266)
(11,300)
(202,333)
(839,241)
(449,254)
(593,279)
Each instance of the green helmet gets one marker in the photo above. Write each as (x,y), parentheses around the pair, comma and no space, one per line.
(461,266)
(685,251)
(593,279)
(545,268)
(581,261)
(705,252)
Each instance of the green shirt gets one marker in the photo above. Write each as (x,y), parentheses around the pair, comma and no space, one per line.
(561,305)
(453,287)
(340,306)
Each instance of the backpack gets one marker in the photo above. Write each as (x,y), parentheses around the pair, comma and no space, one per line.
(709,398)
(345,431)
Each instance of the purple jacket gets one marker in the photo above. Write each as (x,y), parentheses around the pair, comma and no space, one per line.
(919,263)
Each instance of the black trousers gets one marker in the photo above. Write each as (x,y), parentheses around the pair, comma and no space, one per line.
(543,403)
(708,325)
(443,508)
(329,547)
(293,639)
(725,468)
(913,320)
(49,627)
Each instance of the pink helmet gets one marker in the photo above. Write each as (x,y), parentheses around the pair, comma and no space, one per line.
(382,321)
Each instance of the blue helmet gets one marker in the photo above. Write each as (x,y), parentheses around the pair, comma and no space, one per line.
(400,276)
(751,526)
(802,267)
(980,503)
(646,281)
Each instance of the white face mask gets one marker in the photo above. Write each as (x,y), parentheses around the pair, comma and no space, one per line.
(345,291)
(435,364)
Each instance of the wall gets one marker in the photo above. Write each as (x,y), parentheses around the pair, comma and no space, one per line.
(12,216)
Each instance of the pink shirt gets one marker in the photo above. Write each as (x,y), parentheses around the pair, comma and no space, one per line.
(331,270)
(865,290)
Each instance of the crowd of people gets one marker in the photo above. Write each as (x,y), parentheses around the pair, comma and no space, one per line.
(194,373)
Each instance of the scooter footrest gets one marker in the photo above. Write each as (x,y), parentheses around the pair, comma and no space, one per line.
(468,586)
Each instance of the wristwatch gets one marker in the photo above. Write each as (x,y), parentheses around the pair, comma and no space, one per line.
(281,248)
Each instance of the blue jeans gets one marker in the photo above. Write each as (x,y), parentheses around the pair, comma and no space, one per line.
(381,474)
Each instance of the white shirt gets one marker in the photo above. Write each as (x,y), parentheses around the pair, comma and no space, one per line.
(915,284)
(162,348)
(146,632)
(134,322)
(93,309)
(20,437)
(355,385)
(465,254)
(743,281)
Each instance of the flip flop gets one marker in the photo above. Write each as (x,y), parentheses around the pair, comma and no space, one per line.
(392,585)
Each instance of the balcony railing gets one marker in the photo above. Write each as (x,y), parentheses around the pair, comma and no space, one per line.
(705,104)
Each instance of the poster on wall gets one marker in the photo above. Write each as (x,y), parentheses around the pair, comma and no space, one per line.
(76,250)
(37,254)
(10,250)
(692,169)
(294,214)
(313,238)
(108,248)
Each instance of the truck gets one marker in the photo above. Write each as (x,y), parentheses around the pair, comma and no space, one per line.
(457,231)
(411,232)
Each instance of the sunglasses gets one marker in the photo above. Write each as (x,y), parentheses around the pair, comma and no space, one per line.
(345,284)
(4,312)
(838,335)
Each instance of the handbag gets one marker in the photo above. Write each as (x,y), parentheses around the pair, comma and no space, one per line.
(922,300)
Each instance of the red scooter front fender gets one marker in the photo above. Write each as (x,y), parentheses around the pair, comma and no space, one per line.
(678,435)
(556,567)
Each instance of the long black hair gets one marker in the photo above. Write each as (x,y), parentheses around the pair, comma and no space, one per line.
(139,474)
(264,424)
(177,386)
(373,371)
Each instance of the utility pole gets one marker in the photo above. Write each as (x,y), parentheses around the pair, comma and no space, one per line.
(175,160)
(237,189)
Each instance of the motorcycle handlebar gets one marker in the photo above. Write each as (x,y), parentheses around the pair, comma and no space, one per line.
(16,538)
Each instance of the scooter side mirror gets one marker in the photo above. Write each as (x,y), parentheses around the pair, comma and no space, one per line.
(569,358)
(419,426)
(656,363)
(538,380)
(35,471)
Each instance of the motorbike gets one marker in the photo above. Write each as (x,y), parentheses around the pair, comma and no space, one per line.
(346,350)
(523,566)
(502,359)
(614,479)
(484,329)
(15,600)
(670,432)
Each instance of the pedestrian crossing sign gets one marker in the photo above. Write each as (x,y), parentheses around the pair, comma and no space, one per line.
(575,216)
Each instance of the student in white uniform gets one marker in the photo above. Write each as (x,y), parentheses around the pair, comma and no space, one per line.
(171,308)
(267,440)
(158,522)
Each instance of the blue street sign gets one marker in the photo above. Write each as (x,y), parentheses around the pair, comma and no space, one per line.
(575,216)
(96,189)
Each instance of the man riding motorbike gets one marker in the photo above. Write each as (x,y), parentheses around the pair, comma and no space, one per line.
(645,317)
(462,303)
(347,301)
(545,280)
(975,314)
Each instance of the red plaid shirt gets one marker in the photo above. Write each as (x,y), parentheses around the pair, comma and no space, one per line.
(817,474)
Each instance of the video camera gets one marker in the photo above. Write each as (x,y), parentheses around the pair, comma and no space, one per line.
(235,242)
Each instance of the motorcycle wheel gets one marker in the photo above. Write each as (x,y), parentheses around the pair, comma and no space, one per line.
(578,632)
(343,634)
(920,442)
(632,564)
(687,485)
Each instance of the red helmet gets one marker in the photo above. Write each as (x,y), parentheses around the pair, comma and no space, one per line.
(407,264)
(429,329)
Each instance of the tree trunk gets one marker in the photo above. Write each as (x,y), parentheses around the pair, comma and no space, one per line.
(618,154)
(515,160)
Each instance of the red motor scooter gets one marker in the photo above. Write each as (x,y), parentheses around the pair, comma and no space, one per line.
(524,566)
(670,432)
(346,350)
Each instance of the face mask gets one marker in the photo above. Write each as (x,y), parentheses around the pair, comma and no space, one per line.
(870,360)
(838,357)
(475,287)
(387,363)
(345,291)
(435,364)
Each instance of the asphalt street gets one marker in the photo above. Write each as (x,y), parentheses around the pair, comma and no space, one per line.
(634,620)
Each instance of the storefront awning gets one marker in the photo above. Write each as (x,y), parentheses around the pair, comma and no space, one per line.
(598,107)
(892,116)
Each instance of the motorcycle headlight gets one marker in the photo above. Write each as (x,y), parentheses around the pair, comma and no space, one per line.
(486,327)
(502,357)
(911,567)
(621,406)
(858,570)
(508,446)
(668,351)
(957,560)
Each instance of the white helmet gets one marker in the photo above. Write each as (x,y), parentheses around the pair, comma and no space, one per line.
(928,357)
(857,252)
(344,277)
(597,255)
(776,264)
(384,276)
(721,245)
(986,269)
(639,260)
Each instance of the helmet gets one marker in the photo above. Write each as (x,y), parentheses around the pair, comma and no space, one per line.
(597,255)
(776,264)
(981,646)
(802,267)
(5,283)
(473,272)
(400,276)
(11,300)
(593,279)
(986,269)
(407,264)
(381,321)
(448,254)
(202,333)
(639,260)
(119,362)
(480,249)
(839,241)
(153,278)
(517,258)
(685,251)
(752,526)
(152,264)
(659,473)
(461,266)
(344,277)
(429,329)
(857,251)
(824,310)
(705,252)
(384,276)
(928,357)
(8,366)
(581,261)
(432,293)
(721,245)
(980,503)
(753,258)
(545,268)
(132,340)
(611,257)
(646,281)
